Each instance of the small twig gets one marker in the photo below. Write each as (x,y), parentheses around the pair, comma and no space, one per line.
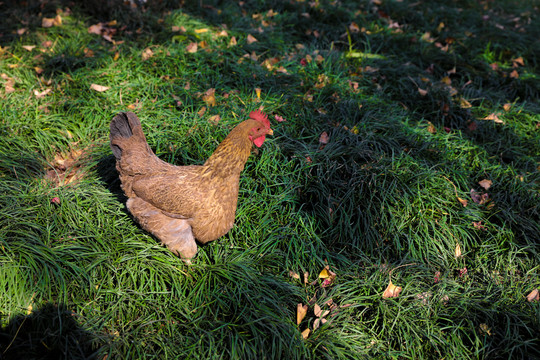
(390,273)
(14,337)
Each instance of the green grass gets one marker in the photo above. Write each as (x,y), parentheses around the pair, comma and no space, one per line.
(80,279)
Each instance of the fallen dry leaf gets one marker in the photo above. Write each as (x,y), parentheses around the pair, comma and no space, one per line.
(209,97)
(294,275)
(485,329)
(99,88)
(301,312)
(518,62)
(463,201)
(214,119)
(305,333)
(514,74)
(478,225)
(258,93)
(431,128)
(250,39)
(306,277)
(486,184)
(478,197)
(507,107)
(464,104)
(457,251)
(232,42)
(324,139)
(40,94)
(29,47)
(201,31)
(391,291)
(192,47)
(422,92)
(50,22)
(147,54)
(202,111)
(533,296)
(494,117)
(279,118)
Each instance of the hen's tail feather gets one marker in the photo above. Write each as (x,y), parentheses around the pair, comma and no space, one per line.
(124,126)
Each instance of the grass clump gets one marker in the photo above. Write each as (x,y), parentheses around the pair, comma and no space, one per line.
(409,153)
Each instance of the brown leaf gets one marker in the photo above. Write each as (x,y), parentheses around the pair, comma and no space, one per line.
(494,117)
(305,333)
(29,47)
(251,39)
(294,275)
(463,201)
(192,47)
(478,197)
(306,277)
(301,311)
(486,184)
(324,139)
(533,296)
(232,42)
(99,88)
(202,111)
(214,119)
(41,94)
(147,54)
(391,291)
(95,29)
(514,74)
(209,97)
(464,104)
(478,225)
(518,62)
(50,22)
(422,92)
(485,329)
(507,107)
(431,128)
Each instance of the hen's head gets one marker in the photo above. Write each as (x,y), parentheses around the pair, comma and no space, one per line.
(258,134)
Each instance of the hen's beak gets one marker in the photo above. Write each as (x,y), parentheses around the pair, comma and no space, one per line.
(270,132)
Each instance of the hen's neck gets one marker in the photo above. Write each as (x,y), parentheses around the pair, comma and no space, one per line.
(231,155)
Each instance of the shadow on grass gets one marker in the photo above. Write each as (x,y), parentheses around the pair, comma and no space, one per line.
(49,332)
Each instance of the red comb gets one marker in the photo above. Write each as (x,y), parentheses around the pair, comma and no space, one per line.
(260,116)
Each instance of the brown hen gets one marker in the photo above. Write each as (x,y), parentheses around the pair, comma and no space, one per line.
(179,204)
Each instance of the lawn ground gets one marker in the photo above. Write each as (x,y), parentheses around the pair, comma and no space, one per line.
(394,214)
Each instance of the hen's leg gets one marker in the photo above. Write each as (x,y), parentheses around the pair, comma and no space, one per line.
(175,233)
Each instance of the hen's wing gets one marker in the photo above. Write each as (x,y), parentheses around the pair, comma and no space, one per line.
(178,193)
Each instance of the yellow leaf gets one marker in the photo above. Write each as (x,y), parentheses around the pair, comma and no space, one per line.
(446,80)
(462,201)
(457,251)
(485,329)
(507,107)
(232,42)
(200,31)
(464,104)
(116,56)
(202,111)
(301,311)
(305,333)
(324,273)
(258,92)
(494,117)
(391,291)
(533,296)
(99,88)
